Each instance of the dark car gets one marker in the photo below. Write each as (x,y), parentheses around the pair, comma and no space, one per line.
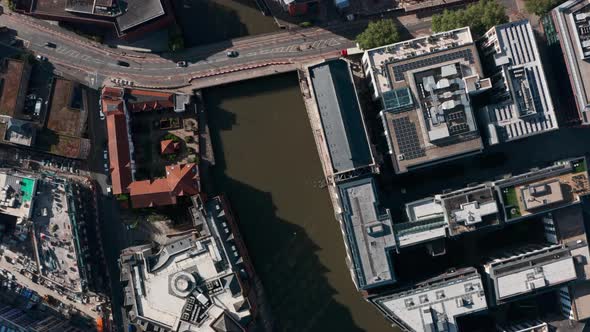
(122,63)
(232,54)
(50,45)
(181,64)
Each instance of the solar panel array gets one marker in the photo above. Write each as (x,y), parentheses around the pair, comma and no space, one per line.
(397,100)
(407,138)
(458,129)
(399,70)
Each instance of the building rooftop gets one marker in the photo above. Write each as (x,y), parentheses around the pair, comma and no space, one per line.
(194,283)
(119,154)
(526,326)
(341,116)
(424,85)
(426,223)
(521,104)
(14,81)
(180,180)
(434,305)
(20,132)
(136,12)
(544,190)
(16,195)
(572,21)
(528,270)
(148,100)
(67,114)
(368,232)
(469,209)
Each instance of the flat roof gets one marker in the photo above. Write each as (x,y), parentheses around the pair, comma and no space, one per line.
(522,104)
(530,269)
(189,285)
(368,232)
(14,80)
(470,208)
(16,195)
(570,18)
(542,194)
(424,85)
(435,304)
(136,12)
(341,117)
(66,113)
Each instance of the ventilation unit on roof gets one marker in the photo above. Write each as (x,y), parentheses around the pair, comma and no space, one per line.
(400,157)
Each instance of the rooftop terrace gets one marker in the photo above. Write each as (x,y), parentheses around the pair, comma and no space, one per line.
(544,190)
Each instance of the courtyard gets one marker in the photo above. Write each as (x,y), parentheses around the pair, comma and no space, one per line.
(153,131)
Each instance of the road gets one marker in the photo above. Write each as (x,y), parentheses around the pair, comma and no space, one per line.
(94,63)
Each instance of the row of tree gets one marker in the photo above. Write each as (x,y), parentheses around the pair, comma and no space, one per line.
(479,16)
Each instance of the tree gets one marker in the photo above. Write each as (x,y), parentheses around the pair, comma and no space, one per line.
(540,7)
(479,16)
(378,33)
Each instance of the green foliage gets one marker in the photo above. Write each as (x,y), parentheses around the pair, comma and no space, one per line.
(378,33)
(479,16)
(189,139)
(26,57)
(171,157)
(173,137)
(193,159)
(122,197)
(11,5)
(306,24)
(541,7)
(175,39)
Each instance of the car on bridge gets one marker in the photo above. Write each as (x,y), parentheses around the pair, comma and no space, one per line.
(181,64)
(232,54)
(122,63)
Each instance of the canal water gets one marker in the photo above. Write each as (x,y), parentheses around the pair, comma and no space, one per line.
(268,166)
(210,21)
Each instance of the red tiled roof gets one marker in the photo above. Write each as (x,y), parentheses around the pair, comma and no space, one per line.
(180,180)
(113,93)
(168,146)
(119,155)
(147,100)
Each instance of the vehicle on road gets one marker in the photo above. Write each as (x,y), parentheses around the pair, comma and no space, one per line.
(109,190)
(106,167)
(181,64)
(232,54)
(40,57)
(101,115)
(50,45)
(122,63)
(105,154)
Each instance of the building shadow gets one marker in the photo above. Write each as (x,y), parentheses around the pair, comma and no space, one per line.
(298,284)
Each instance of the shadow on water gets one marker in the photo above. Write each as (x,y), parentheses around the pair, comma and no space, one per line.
(266,163)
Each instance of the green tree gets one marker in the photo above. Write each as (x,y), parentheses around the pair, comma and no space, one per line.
(540,7)
(378,33)
(479,17)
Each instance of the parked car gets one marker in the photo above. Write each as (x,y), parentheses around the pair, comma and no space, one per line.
(232,54)
(105,154)
(101,115)
(122,63)
(50,45)
(181,64)
(40,57)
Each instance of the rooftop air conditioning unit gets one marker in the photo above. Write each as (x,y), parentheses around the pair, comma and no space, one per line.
(400,157)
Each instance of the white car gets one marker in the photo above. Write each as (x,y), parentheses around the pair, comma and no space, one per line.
(109,190)
(101,115)
(105,154)
(106,167)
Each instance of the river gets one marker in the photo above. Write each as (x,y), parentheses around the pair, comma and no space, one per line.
(268,166)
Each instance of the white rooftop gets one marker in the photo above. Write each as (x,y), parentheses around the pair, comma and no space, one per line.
(380,56)
(435,305)
(164,283)
(369,234)
(531,270)
(472,212)
(529,109)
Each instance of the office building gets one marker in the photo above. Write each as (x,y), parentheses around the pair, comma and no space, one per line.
(572,22)
(343,124)
(435,304)
(425,87)
(521,103)
(367,233)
